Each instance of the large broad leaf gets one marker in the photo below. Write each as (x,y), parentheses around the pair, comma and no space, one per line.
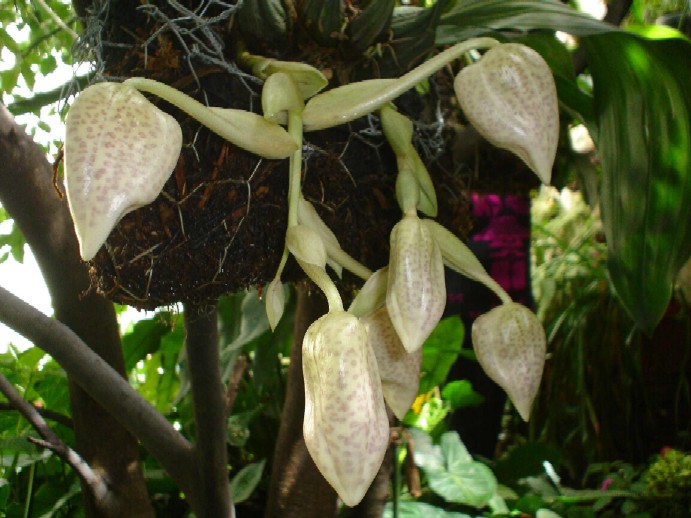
(470,18)
(643,100)
(451,471)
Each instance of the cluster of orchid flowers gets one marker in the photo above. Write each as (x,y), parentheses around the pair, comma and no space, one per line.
(120,150)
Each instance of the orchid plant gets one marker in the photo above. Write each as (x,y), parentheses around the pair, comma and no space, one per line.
(120,149)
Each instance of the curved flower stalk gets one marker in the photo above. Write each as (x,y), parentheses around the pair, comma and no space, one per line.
(416,290)
(242,128)
(349,102)
(119,151)
(346,428)
(510,97)
(459,257)
(399,370)
(510,345)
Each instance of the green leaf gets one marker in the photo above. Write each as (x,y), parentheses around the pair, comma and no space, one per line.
(145,338)
(643,105)
(439,352)
(414,509)
(464,481)
(470,18)
(460,394)
(245,481)
(451,471)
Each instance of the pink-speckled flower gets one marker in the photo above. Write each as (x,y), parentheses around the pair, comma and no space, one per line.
(510,344)
(399,370)
(416,290)
(510,97)
(119,151)
(346,428)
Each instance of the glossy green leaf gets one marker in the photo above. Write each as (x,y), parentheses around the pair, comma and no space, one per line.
(439,353)
(245,481)
(643,104)
(470,18)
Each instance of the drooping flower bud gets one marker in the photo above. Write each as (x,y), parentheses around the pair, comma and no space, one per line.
(510,345)
(399,370)
(416,290)
(119,151)
(510,97)
(346,428)
(275,298)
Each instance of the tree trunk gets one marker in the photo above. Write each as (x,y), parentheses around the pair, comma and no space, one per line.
(27,193)
(297,488)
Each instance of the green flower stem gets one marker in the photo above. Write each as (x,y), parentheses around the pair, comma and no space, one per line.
(349,263)
(349,102)
(322,279)
(295,171)
(460,258)
(253,133)
(294,180)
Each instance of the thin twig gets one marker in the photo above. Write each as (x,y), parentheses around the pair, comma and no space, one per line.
(53,442)
(104,384)
(234,383)
(54,416)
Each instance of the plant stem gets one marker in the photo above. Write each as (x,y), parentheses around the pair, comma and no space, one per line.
(252,132)
(294,175)
(349,102)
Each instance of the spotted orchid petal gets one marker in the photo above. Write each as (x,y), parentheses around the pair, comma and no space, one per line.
(416,290)
(399,370)
(346,428)
(510,97)
(119,151)
(510,345)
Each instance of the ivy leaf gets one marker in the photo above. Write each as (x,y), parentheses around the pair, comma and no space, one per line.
(643,108)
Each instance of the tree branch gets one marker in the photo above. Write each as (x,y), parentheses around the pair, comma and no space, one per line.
(46,413)
(104,384)
(53,442)
(211,495)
